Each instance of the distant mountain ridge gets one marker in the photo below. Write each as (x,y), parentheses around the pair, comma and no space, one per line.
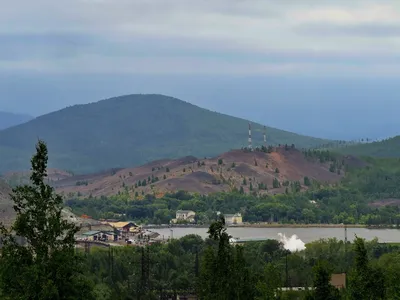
(388,148)
(132,130)
(8,119)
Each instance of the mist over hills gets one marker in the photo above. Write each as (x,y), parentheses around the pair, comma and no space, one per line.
(132,130)
(8,119)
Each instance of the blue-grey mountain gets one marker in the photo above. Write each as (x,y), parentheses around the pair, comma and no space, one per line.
(132,130)
(10,119)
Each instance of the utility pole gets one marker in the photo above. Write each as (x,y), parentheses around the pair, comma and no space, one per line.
(87,247)
(196,263)
(287,273)
(111,263)
(250,144)
(345,246)
(265,137)
(143,281)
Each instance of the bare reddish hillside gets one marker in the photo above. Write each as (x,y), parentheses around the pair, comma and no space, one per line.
(23,176)
(222,173)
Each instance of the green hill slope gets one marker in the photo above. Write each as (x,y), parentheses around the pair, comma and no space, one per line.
(131,130)
(386,148)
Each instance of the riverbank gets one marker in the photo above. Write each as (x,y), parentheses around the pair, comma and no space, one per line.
(274,225)
(263,225)
(307,235)
(278,225)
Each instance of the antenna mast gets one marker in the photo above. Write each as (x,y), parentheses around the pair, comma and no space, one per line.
(250,147)
(265,137)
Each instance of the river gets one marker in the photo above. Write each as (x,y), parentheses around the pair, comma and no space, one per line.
(305,234)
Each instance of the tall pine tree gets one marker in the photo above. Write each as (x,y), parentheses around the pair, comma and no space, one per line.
(47,267)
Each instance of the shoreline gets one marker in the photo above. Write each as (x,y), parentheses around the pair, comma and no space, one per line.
(276,225)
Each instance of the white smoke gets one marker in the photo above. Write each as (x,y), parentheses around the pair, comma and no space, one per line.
(292,243)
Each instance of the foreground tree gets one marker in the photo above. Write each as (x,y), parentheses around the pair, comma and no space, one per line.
(366,281)
(224,274)
(267,287)
(47,267)
(323,290)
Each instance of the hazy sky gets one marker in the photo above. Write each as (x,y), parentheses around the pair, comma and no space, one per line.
(326,68)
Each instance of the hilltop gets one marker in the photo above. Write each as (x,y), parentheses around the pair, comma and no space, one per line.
(10,119)
(130,131)
(236,169)
(388,148)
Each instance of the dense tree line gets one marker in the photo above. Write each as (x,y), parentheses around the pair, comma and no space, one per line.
(215,269)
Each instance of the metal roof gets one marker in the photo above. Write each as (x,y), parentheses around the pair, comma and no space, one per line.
(122,224)
(91,232)
(94,232)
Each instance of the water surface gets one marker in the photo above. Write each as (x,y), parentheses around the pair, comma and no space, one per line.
(305,234)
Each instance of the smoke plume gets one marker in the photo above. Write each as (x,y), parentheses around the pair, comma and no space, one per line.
(292,243)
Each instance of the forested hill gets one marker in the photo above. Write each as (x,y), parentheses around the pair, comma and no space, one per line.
(386,148)
(9,119)
(132,130)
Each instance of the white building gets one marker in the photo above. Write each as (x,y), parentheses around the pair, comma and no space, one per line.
(184,215)
(235,219)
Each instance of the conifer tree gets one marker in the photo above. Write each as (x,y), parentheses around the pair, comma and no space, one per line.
(46,267)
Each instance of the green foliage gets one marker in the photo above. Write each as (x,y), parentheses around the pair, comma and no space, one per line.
(275,183)
(323,290)
(366,281)
(47,268)
(321,155)
(224,268)
(215,269)
(295,186)
(386,148)
(277,171)
(307,181)
(220,161)
(262,186)
(79,183)
(268,284)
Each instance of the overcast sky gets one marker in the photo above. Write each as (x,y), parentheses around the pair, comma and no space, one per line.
(286,63)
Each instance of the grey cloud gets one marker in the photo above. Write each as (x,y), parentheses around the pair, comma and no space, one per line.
(372,30)
(178,36)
